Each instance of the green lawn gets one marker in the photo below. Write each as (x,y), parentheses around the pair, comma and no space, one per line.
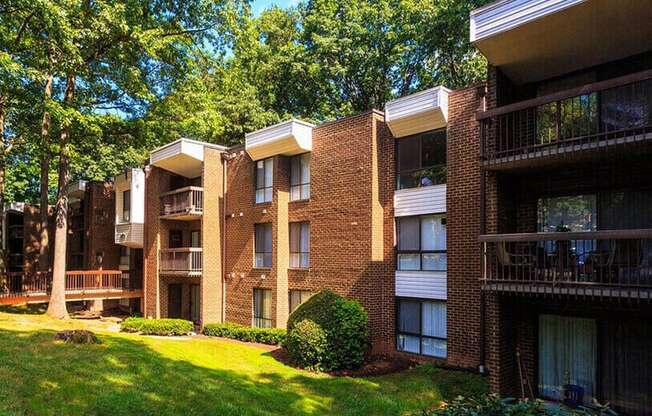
(131,374)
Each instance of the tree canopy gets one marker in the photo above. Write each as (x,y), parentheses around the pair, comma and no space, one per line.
(147,72)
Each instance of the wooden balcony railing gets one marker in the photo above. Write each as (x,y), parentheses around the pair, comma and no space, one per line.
(188,201)
(599,116)
(83,281)
(614,263)
(181,261)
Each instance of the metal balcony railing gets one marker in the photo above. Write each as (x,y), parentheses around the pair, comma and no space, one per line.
(613,263)
(181,261)
(595,117)
(183,201)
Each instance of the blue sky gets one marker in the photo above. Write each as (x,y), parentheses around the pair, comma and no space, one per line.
(259,5)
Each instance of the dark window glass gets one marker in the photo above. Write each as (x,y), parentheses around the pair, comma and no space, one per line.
(176,239)
(262,308)
(626,107)
(126,206)
(263,245)
(422,160)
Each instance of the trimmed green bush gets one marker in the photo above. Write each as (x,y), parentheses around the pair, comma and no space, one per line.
(307,344)
(165,327)
(345,323)
(270,336)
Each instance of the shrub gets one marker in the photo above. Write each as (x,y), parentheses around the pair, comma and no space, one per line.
(492,404)
(270,336)
(345,324)
(157,326)
(307,344)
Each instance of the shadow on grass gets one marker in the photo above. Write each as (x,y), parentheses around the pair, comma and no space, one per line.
(28,309)
(124,376)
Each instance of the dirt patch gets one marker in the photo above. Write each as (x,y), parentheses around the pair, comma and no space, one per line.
(374,366)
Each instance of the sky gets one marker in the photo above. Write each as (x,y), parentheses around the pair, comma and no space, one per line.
(259,5)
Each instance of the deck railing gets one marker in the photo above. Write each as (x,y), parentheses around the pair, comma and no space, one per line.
(188,200)
(181,261)
(597,263)
(596,116)
(19,283)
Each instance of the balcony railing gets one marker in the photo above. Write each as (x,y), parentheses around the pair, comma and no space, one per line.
(614,263)
(183,202)
(77,282)
(580,121)
(181,261)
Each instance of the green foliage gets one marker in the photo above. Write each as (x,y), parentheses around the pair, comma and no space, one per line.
(307,344)
(493,405)
(270,336)
(345,323)
(165,327)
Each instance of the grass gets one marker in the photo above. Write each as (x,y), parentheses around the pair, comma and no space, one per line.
(131,374)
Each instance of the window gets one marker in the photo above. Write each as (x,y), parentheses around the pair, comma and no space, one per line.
(422,243)
(126,206)
(262,308)
(264,180)
(300,245)
(175,239)
(568,118)
(567,213)
(263,245)
(297,297)
(422,160)
(195,238)
(300,177)
(421,327)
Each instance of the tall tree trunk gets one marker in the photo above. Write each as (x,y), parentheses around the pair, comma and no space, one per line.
(3,257)
(44,255)
(57,306)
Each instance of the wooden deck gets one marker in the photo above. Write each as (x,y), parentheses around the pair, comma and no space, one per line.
(20,288)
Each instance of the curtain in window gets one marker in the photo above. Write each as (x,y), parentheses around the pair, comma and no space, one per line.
(433,237)
(263,245)
(567,353)
(626,366)
(409,321)
(305,245)
(297,297)
(300,244)
(434,325)
(408,240)
(264,180)
(262,308)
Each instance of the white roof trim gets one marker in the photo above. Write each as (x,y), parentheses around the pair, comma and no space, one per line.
(419,112)
(505,15)
(288,138)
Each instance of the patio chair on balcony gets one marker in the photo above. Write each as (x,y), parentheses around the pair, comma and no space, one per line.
(620,264)
(515,266)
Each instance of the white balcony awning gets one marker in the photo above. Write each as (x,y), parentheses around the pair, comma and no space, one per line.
(532,40)
(288,138)
(184,157)
(416,113)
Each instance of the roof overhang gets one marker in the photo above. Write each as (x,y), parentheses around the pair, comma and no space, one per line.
(184,157)
(288,138)
(416,113)
(532,40)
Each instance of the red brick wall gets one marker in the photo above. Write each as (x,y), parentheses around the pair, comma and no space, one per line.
(463,229)
(99,223)
(341,215)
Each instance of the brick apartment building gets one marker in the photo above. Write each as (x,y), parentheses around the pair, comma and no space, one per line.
(563,165)
(91,248)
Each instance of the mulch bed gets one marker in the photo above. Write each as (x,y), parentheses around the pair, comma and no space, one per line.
(375,365)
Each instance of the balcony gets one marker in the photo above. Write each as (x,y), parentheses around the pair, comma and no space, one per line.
(596,264)
(181,261)
(19,287)
(184,204)
(592,121)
